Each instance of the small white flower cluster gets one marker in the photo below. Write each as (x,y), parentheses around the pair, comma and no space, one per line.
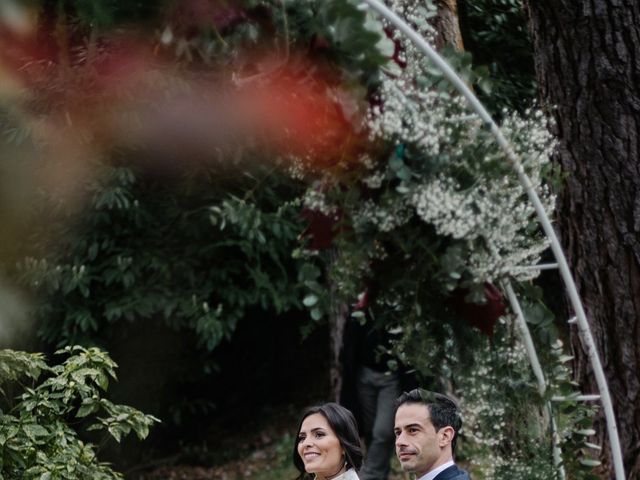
(478,389)
(465,189)
(486,410)
(385,217)
(416,13)
(440,203)
(499,467)
(530,142)
(367,161)
(494,214)
(410,115)
(315,200)
(295,167)
(374,180)
(406,113)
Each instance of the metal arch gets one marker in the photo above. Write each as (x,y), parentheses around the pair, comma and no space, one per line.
(521,323)
(583,326)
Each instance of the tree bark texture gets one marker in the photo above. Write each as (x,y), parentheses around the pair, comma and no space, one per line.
(587,55)
(447,25)
(338,311)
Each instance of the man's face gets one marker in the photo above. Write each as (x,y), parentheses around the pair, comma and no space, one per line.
(419,447)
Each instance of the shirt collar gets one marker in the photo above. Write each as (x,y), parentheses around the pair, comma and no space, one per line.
(434,473)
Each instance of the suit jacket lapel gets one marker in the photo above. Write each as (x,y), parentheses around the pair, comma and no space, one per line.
(448,473)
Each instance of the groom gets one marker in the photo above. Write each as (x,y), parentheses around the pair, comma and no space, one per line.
(426,428)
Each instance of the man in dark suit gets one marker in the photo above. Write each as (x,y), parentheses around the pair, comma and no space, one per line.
(426,429)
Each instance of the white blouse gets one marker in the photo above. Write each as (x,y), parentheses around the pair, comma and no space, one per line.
(348,475)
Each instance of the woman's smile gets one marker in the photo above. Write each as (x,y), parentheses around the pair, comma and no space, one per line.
(319,447)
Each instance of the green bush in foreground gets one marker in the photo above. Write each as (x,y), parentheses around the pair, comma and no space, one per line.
(39,430)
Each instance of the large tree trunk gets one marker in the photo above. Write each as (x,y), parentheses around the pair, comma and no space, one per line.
(338,311)
(588,66)
(448,25)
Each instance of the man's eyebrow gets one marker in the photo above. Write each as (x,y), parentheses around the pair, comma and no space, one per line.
(413,425)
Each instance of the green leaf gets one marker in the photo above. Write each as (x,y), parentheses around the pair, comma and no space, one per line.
(115,432)
(310,300)
(386,47)
(86,409)
(103,380)
(33,430)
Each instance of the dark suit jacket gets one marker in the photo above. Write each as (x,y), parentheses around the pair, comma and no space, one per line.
(453,473)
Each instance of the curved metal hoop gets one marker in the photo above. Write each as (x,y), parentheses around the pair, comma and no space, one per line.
(583,326)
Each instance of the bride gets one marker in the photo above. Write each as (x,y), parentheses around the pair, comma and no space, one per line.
(327,445)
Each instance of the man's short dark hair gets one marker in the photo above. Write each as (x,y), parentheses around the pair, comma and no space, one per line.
(443,411)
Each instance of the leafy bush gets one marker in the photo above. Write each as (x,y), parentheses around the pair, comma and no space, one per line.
(495,32)
(40,431)
(192,254)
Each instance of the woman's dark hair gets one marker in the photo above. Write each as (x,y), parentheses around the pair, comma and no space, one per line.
(344,426)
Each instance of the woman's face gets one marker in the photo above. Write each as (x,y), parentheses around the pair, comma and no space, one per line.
(319,447)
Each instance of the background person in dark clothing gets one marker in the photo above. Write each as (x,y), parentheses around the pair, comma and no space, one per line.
(370,389)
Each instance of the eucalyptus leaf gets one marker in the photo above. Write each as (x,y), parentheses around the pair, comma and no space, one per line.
(310,300)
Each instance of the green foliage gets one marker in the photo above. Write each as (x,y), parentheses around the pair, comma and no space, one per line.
(426,215)
(358,45)
(197,252)
(103,14)
(40,433)
(282,466)
(506,422)
(574,418)
(429,221)
(15,365)
(502,399)
(194,254)
(496,33)
(194,247)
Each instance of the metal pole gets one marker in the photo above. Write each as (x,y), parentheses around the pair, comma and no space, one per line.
(583,324)
(539,267)
(526,338)
(537,370)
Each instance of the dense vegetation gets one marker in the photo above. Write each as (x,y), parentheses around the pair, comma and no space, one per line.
(40,430)
(367,178)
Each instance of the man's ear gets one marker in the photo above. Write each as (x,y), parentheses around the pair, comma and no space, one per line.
(445,436)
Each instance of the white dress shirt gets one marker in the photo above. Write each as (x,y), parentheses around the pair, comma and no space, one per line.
(434,473)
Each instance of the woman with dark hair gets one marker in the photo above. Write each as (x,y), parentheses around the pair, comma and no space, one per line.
(327,445)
